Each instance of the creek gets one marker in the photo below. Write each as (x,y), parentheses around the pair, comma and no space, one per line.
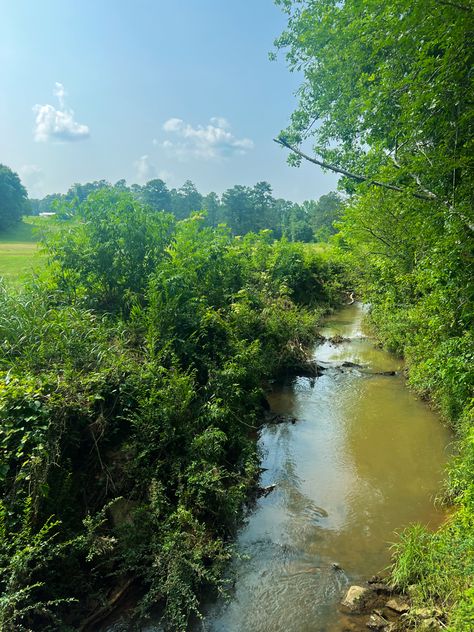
(364,458)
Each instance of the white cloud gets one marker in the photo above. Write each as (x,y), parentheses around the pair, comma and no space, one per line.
(32,178)
(60,92)
(173,125)
(145,170)
(58,124)
(214,140)
(220,121)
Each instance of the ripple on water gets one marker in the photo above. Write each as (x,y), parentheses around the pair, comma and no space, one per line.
(276,592)
(364,458)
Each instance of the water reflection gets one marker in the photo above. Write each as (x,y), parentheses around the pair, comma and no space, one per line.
(364,458)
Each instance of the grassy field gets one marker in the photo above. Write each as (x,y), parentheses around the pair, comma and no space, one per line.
(19,254)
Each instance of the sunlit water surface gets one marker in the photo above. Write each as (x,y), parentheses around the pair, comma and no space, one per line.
(364,458)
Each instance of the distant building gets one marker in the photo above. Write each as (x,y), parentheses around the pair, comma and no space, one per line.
(46,214)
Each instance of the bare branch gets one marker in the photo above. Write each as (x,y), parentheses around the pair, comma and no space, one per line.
(428,196)
(421,196)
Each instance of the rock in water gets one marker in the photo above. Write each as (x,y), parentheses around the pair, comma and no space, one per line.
(376,622)
(355,598)
(264,491)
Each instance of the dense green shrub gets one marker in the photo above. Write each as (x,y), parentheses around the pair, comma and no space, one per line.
(130,392)
(103,257)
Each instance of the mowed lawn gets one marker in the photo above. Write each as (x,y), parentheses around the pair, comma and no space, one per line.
(19,255)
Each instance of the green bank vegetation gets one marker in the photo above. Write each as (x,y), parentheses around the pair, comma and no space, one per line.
(130,394)
(19,253)
(391,87)
(132,370)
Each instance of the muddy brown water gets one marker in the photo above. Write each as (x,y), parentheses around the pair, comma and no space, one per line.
(365,458)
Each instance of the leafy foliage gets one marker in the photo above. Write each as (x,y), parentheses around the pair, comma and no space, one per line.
(244,209)
(104,257)
(387,94)
(130,391)
(13,198)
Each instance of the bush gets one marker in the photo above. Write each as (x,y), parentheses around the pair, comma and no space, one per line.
(130,391)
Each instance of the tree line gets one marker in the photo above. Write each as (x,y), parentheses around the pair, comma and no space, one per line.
(243,208)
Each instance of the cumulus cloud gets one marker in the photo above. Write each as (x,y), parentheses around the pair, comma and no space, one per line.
(145,170)
(32,177)
(60,92)
(214,140)
(58,124)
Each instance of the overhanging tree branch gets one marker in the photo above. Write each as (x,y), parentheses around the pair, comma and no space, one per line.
(428,196)
(416,178)
(385,185)
(455,5)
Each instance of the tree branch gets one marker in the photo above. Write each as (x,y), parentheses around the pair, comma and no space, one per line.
(454,5)
(416,178)
(421,196)
(428,196)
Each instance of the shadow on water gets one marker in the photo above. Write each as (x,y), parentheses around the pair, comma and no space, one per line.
(364,458)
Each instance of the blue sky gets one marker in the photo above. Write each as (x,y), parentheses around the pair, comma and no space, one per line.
(119,89)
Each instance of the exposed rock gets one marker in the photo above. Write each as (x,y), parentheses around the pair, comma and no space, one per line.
(264,491)
(380,588)
(376,622)
(336,340)
(386,373)
(398,605)
(310,368)
(426,613)
(355,598)
(121,511)
(336,567)
(428,625)
(275,418)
